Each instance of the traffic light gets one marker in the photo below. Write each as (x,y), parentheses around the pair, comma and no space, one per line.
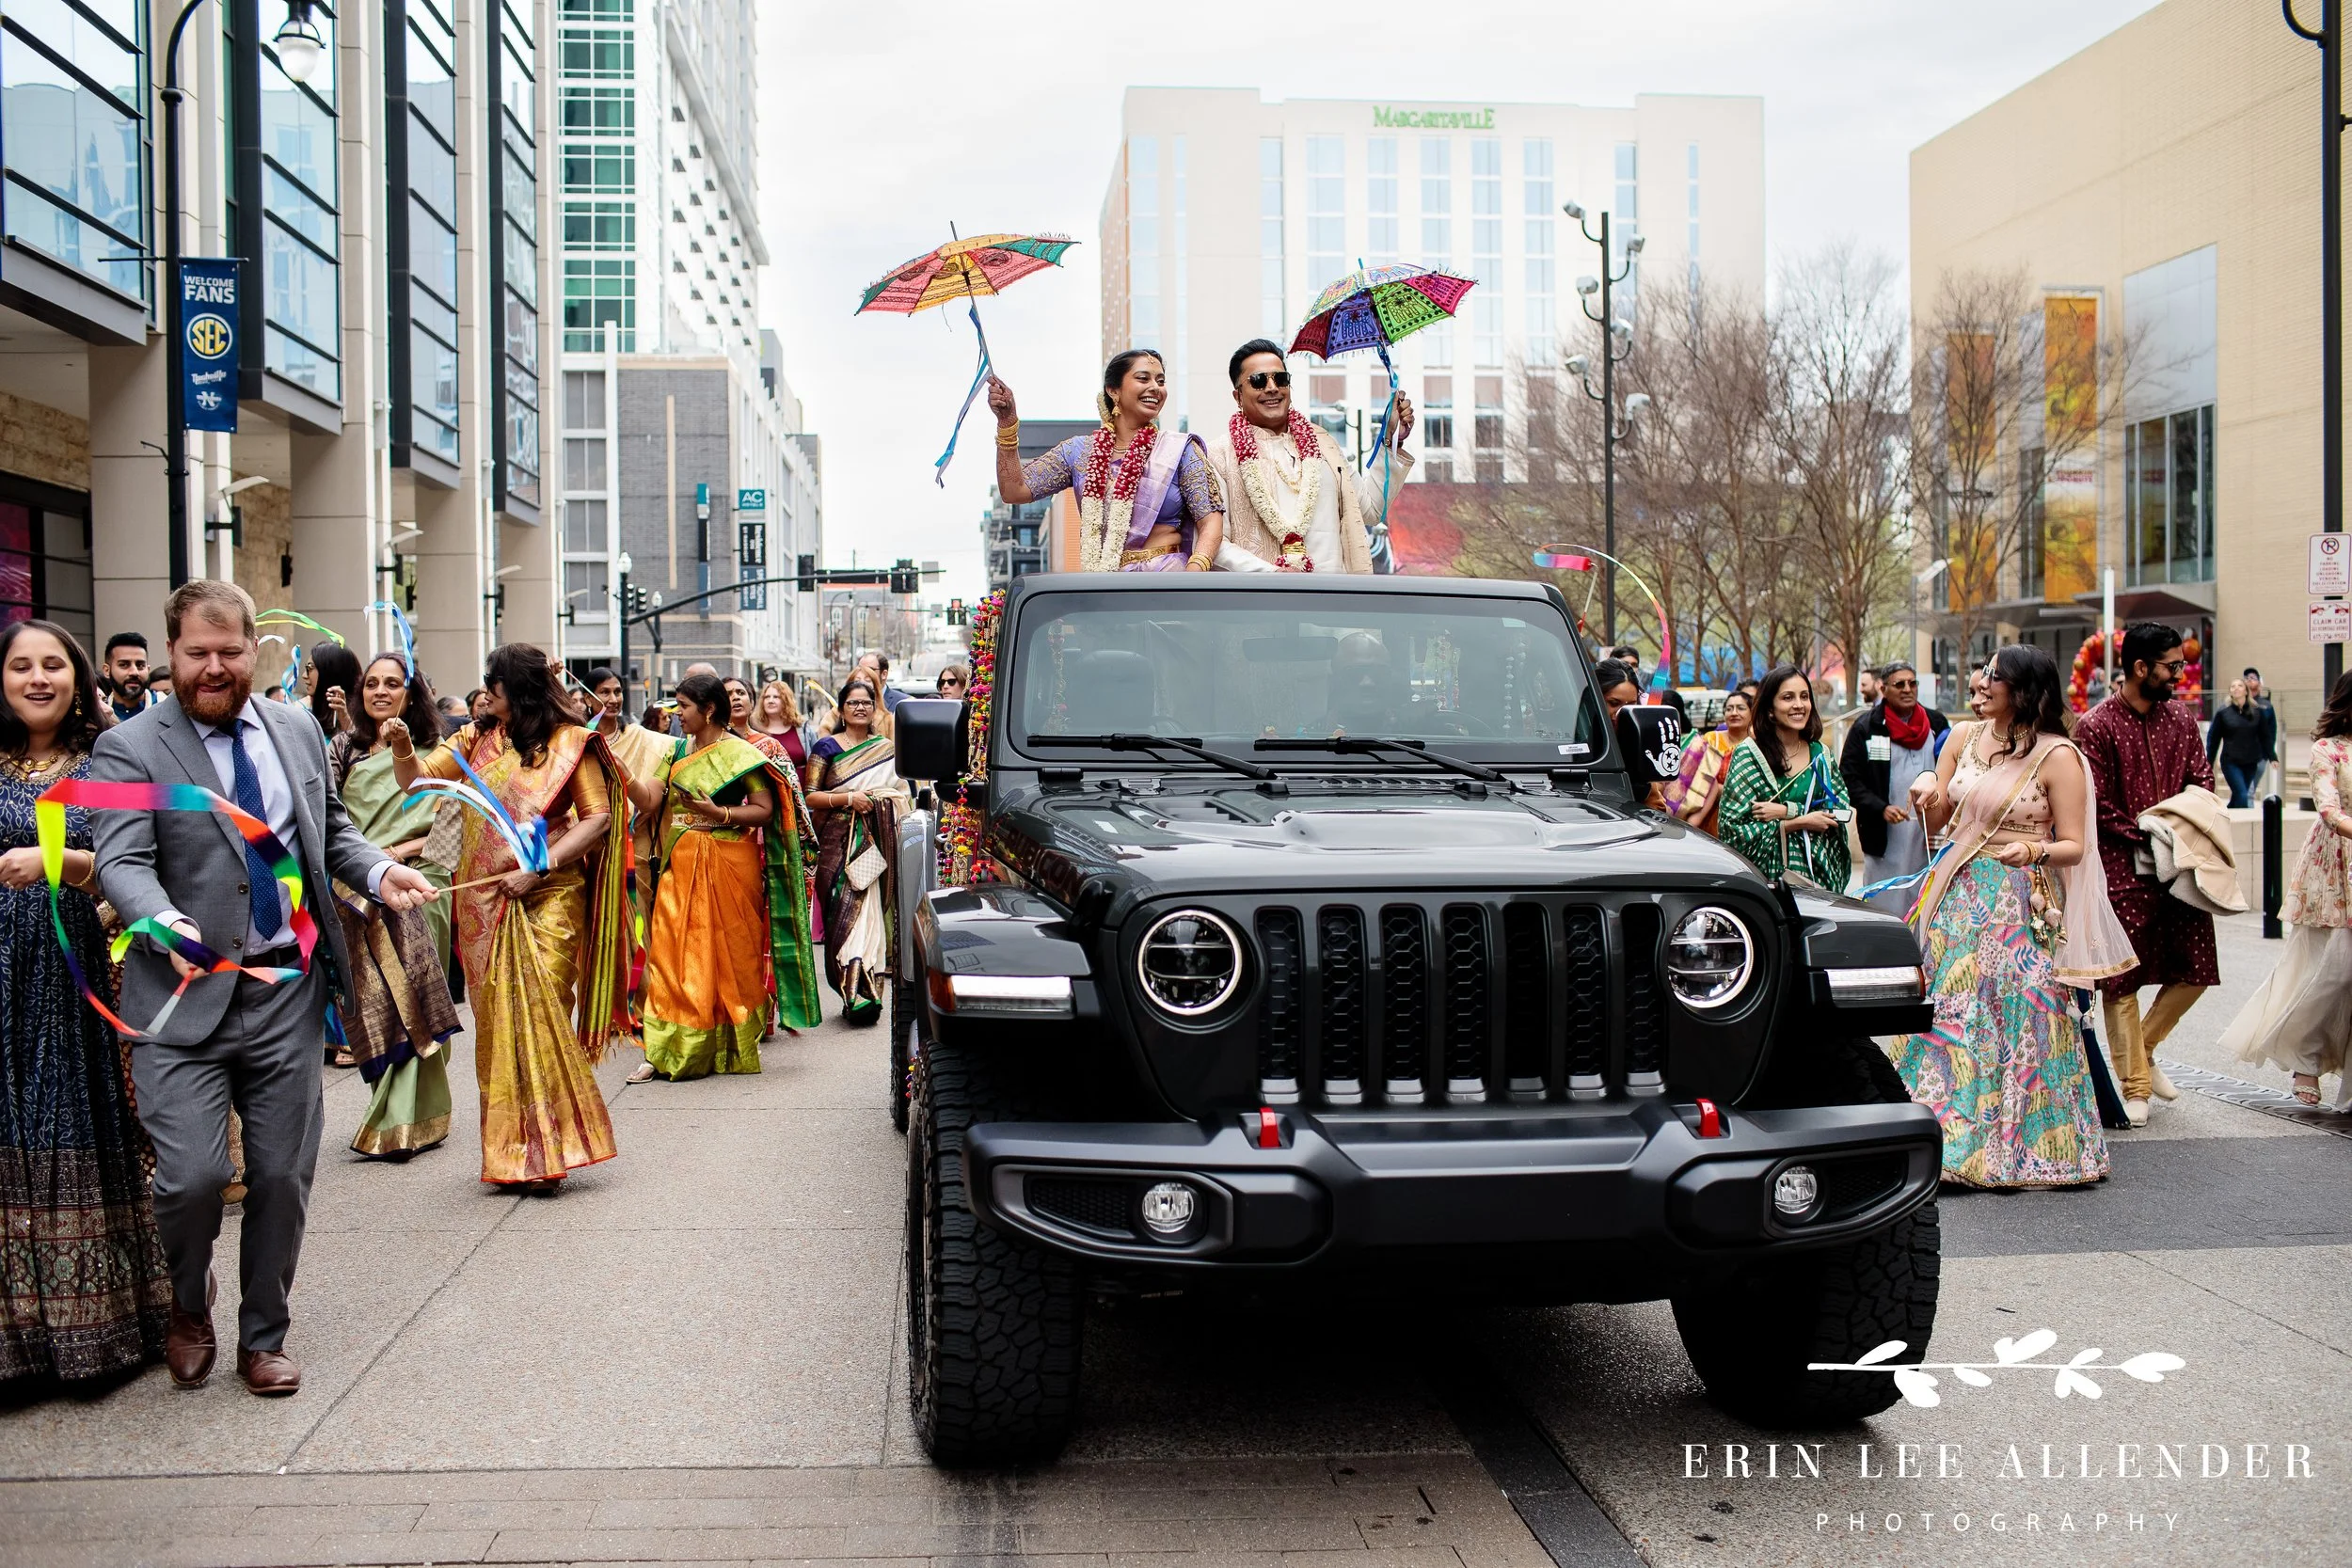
(806,568)
(904,579)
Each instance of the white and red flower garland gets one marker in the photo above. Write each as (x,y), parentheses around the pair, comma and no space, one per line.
(1289,532)
(1106,506)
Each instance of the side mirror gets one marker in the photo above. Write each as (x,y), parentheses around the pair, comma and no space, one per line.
(930,735)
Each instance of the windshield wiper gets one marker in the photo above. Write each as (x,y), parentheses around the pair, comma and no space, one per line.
(1128,742)
(1367,745)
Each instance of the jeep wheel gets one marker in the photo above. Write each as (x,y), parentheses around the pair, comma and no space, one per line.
(1752,1337)
(993,1323)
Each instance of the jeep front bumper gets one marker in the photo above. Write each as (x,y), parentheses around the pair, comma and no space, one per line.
(1290,1188)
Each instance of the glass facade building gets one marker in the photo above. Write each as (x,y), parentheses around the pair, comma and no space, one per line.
(73,136)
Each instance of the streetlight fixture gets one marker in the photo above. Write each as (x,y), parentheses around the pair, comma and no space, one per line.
(1616,341)
(300,47)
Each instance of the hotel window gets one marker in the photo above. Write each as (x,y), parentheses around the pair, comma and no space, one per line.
(283,208)
(1486,427)
(1695,216)
(1487,249)
(75,138)
(2167,498)
(1177,339)
(1437,429)
(1535,158)
(1626,208)
(1143,242)
(1436,201)
(515,256)
(421,298)
(1380,226)
(1327,211)
(1273,315)
(596,289)
(596,124)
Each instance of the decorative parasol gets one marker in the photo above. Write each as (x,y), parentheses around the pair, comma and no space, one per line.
(964,269)
(1372,307)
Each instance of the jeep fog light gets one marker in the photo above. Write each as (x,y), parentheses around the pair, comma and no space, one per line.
(1796,1191)
(1709,955)
(1169,1208)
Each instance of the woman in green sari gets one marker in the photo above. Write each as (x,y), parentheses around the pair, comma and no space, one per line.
(1785,806)
(400,1013)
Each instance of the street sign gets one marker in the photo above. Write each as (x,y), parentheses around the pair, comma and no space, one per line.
(208,309)
(2329,622)
(751,500)
(2330,565)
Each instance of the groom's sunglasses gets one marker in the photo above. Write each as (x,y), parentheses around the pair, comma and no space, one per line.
(1259,378)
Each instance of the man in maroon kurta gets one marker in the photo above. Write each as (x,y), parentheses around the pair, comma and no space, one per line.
(2143,748)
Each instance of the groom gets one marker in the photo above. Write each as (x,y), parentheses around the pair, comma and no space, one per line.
(233,1040)
(1293,501)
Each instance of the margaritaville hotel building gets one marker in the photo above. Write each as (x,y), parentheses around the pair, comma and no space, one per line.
(1226,214)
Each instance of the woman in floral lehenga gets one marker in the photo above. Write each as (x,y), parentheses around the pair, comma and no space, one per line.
(2013,916)
(546,956)
(83,1291)
(791,849)
(854,786)
(400,1013)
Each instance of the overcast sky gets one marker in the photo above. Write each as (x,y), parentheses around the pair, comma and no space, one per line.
(881,121)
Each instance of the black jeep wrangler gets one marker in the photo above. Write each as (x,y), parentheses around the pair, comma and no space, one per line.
(1319,942)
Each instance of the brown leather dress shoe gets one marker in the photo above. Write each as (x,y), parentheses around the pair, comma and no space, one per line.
(268,1372)
(188,1343)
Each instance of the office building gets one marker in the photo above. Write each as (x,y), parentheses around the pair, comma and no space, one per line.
(2164,185)
(1227,215)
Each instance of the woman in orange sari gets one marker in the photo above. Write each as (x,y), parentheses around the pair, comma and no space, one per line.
(545,955)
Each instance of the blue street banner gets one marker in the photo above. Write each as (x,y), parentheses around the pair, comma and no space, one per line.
(208,321)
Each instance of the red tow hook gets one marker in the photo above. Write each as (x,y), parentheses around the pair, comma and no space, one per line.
(1269,1128)
(1711,1119)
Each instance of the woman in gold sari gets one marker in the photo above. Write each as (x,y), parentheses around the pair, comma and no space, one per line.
(400,1013)
(707,955)
(545,955)
(855,790)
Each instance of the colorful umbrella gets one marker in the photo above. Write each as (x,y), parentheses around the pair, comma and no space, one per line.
(964,269)
(1372,307)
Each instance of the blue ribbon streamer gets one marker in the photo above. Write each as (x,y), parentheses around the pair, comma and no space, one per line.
(407,635)
(979,378)
(534,839)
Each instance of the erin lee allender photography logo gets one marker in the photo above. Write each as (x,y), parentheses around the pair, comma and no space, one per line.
(2024,1463)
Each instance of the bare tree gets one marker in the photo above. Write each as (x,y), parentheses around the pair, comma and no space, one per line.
(1840,423)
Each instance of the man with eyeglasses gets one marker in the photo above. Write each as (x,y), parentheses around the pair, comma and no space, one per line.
(1892,743)
(1293,500)
(2143,748)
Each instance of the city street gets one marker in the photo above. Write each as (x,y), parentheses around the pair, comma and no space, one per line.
(694,1354)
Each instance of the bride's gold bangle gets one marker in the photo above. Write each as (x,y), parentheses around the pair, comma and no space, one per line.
(1008,435)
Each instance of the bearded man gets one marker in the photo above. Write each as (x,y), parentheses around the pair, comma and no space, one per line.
(230,1041)
(1293,501)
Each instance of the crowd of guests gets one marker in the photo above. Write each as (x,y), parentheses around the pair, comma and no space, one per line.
(2022,844)
(695,868)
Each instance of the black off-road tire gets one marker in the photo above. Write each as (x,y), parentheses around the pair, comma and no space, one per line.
(1750,1339)
(993,1325)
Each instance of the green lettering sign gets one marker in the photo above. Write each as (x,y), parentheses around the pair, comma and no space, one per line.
(1433,119)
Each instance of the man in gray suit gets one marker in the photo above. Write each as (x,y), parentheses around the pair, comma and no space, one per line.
(233,1040)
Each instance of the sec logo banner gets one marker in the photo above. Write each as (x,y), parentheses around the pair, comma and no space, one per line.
(209,336)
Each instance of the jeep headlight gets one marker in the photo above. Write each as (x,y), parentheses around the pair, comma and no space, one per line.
(1189,963)
(1709,956)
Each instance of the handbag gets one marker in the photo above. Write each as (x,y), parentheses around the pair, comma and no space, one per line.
(868,866)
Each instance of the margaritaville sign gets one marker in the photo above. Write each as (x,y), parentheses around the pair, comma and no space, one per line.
(1433,119)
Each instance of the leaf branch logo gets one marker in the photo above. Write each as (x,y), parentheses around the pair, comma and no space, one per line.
(1918,1383)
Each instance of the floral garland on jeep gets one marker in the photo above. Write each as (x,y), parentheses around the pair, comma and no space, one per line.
(960,862)
(1252,462)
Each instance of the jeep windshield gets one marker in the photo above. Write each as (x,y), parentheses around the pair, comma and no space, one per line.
(1494,681)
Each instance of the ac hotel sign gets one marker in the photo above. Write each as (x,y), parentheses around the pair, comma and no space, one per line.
(1433,119)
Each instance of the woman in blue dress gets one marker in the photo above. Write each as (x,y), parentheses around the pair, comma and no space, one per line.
(1148,500)
(84,1293)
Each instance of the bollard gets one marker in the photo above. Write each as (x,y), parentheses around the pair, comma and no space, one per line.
(2274,874)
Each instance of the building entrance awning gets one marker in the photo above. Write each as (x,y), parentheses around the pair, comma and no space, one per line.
(2158,601)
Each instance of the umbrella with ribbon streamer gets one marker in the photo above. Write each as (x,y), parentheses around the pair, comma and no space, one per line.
(1373,307)
(963,270)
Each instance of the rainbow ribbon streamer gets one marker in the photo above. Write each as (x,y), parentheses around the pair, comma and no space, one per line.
(407,635)
(95,795)
(528,841)
(295,617)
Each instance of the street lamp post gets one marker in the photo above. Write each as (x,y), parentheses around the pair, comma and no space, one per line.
(1616,341)
(622,611)
(299,52)
(2328,35)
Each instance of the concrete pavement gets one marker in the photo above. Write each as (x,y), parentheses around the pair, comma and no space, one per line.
(693,1355)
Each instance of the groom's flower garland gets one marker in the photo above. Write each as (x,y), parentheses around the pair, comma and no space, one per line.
(1252,464)
(960,862)
(1106,507)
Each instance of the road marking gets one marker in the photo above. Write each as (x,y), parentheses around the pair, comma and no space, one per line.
(2270,1103)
